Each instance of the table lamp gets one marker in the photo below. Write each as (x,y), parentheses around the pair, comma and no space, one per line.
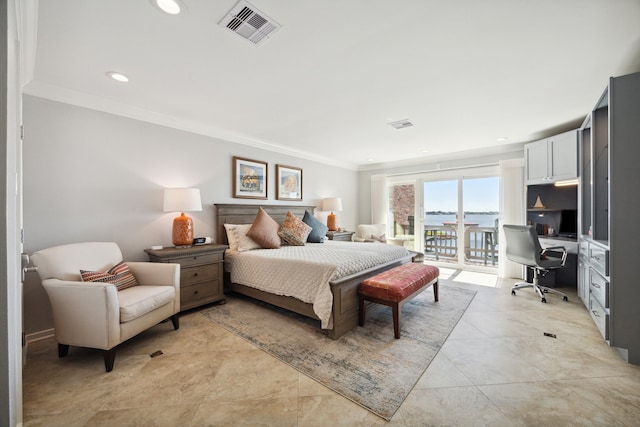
(332,204)
(182,200)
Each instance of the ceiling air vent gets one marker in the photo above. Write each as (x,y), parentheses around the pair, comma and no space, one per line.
(249,23)
(401,124)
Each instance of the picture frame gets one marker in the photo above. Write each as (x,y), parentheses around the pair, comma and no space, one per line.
(249,178)
(288,183)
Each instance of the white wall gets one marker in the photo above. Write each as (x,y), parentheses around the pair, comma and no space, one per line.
(464,160)
(92,176)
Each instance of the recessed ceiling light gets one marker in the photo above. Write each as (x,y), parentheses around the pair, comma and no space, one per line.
(119,77)
(370,160)
(501,139)
(172,7)
(425,151)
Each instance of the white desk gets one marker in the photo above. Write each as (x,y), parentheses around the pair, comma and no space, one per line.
(571,245)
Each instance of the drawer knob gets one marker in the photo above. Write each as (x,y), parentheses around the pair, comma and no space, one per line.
(195,274)
(195,292)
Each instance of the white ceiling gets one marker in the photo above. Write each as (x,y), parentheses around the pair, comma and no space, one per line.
(465,72)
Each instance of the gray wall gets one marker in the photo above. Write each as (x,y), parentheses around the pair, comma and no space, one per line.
(93,176)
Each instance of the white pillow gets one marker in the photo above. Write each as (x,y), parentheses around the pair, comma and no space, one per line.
(231,238)
(381,238)
(246,243)
(238,239)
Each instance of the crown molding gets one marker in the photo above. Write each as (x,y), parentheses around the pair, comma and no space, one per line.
(81,99)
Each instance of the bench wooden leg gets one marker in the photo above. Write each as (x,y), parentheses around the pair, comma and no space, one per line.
(435,291)
(396,320)
(361,313)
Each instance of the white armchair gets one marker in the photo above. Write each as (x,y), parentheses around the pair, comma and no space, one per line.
(377,233)
(370,233)
(97,315)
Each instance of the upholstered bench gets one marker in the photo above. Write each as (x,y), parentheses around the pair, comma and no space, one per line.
(395,287)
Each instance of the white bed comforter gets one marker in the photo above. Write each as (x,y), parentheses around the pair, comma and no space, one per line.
(304,272)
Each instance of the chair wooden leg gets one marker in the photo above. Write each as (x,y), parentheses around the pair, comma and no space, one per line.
(175,319)
(361,312)
(109,358)
(435,291)
(63,350)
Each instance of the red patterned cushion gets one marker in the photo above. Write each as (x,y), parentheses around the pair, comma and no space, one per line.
(119,275)
(398,283)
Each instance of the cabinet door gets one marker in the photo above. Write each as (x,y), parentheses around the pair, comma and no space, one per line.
(583,280)
(563,156)
(535,155)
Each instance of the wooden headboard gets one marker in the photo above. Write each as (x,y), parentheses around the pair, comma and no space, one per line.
(246,213)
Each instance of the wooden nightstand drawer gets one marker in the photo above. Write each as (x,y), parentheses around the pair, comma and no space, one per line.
(199,259)
(198,294)
(199,273)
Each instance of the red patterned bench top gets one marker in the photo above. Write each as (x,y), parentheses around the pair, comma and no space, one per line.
(399,282)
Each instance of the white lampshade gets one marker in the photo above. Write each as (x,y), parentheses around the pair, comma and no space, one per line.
(332,204)
(182,200)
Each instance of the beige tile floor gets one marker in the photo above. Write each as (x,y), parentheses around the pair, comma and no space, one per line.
(497,368)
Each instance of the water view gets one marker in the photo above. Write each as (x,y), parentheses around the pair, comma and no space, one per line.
(482,219)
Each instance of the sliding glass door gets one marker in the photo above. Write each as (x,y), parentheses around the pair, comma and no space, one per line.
(481,203)
(450,215)
(441,212)
(461,220)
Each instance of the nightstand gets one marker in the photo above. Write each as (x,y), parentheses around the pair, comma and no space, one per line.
(201,272)
(340,235)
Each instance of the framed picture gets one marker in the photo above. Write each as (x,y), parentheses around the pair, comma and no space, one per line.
(249,178)
(288,183)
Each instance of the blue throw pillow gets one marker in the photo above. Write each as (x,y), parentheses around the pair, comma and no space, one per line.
(319,230)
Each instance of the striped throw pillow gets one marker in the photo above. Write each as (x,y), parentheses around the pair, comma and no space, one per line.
(119,275)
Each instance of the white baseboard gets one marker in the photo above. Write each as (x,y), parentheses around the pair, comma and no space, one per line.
(33,337)
(40,335)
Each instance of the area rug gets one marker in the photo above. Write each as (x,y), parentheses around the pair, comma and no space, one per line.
(366,365)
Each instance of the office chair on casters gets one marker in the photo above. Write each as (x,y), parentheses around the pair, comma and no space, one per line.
(524,248)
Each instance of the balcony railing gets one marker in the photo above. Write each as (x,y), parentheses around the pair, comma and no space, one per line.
(480,244)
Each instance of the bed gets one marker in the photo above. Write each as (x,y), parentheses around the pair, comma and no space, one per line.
(343,291)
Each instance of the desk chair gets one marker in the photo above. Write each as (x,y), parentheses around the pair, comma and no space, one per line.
(524,248)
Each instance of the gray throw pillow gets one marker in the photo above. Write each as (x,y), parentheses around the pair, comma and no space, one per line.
(318,229)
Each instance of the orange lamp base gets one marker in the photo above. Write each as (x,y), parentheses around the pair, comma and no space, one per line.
(331,222)
(182,230)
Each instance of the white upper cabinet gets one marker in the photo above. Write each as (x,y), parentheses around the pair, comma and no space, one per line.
(552,159)
(535,156)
